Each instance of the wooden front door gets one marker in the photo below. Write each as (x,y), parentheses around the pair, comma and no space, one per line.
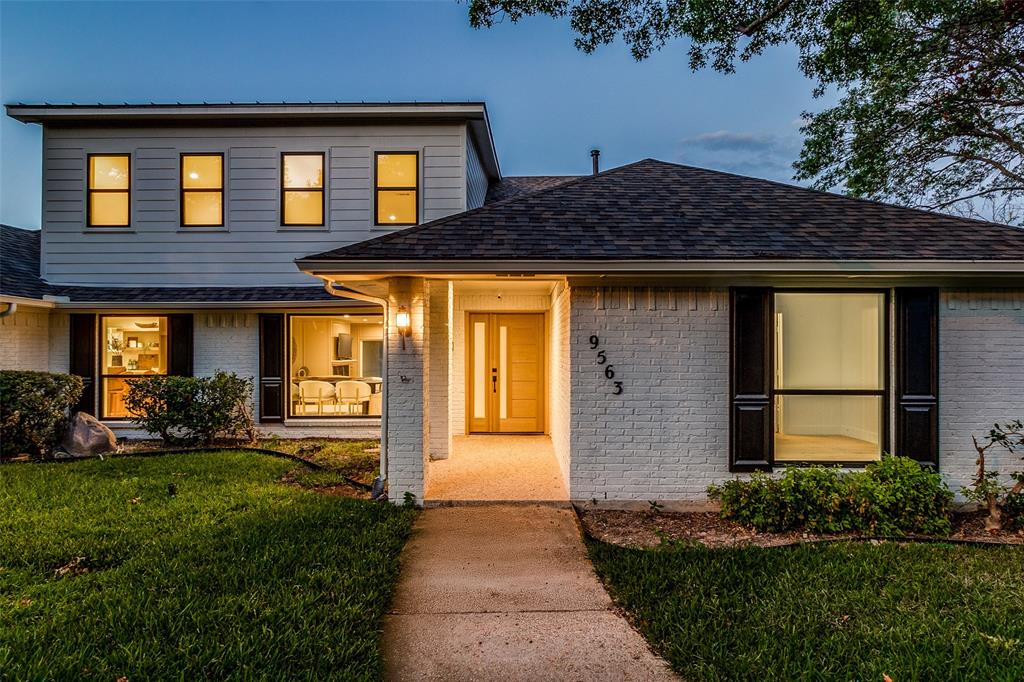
(505,372)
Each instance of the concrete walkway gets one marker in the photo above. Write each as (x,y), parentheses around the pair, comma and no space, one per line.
(507,593)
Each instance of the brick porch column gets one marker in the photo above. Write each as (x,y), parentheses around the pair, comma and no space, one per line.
(408,390)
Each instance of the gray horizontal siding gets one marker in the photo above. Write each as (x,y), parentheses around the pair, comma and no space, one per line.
(476,179)
(253,248)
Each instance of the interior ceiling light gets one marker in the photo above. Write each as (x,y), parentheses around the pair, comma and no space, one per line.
(194,175)
(391,217)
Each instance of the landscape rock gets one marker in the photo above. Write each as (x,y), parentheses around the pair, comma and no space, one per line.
(86,435)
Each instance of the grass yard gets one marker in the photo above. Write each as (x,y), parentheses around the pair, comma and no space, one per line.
(104,573)
(844,611)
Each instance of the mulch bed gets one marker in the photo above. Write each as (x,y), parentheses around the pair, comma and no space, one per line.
(646,529)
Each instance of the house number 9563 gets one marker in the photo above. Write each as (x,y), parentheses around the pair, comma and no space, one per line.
(602,359)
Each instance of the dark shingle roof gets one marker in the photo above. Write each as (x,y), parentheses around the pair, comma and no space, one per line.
(302,294)
(652,210)
(19,276)
(19,263)
(516,185)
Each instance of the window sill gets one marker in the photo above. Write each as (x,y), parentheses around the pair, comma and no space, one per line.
(108,230)
(303,228)
(391,228)
(203,229)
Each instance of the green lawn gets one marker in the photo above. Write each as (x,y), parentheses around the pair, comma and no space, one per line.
(838,611)
(104,574)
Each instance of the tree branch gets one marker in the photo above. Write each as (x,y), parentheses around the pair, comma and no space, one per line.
(756,24)
(992,190)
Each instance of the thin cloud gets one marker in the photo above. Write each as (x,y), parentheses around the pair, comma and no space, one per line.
(759,154)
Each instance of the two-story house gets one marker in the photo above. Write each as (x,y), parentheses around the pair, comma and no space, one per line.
(623,336)
(169,236)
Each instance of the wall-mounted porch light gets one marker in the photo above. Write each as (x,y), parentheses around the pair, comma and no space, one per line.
(404,324)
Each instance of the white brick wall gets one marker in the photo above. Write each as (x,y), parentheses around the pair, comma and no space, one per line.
(981,376)
(666,436)
(559,370)
(25,339)
(408,391)
(60,342)
(439,341)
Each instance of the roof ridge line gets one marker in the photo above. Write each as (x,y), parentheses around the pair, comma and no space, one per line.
(833,195)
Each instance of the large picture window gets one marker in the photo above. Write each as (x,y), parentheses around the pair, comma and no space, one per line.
(109,191)
(829,376)
(302,190)
(202,190)
(335,365)
(396,187)
(132,347)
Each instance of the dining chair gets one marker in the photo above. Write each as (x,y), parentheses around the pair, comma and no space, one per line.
(316,393)
(354,393)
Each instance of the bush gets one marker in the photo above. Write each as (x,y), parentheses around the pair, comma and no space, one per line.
(193,410)
(34,410)
(891,497)
(1013,511)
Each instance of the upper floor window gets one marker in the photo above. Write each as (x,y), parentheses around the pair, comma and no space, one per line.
(302,190)
(202,190)
(109,190)
(396,181)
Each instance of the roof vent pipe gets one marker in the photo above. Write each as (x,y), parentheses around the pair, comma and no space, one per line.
(595,154)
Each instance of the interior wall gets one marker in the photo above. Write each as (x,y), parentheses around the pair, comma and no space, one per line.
(831,341)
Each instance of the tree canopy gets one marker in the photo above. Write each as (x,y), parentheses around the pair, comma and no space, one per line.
(931,92)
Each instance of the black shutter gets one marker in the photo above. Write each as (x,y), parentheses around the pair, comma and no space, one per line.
(917,375)
(751,443)
(83,360)
(179,360)
(272,378)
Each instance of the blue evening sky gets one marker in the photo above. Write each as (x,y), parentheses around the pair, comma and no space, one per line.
(548,103)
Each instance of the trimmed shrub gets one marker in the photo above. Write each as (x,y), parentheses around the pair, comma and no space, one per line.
(34,410)
(892,497)
(192,410)
(1013,511)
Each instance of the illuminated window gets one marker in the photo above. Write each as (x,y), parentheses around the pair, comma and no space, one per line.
(109,190)
(202,190)
(133,347)
(396,183)
(829,376)
(335,365)
(302,189)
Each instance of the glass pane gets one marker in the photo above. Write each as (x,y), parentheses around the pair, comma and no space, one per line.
(396,170)
(303,171)
(108,209)
(303,208)
(828,428)
(202,208)
(503,372)
(326,353)
(396,208)
(132,347)
(108,172)
(830,341)
(202,172)
(479,369)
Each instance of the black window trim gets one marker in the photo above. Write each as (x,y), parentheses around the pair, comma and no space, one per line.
(183,191)
(89,190)
(377,189)
(884,392)
(287,345)
(322,190)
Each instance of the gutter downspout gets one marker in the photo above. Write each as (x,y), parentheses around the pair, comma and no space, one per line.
(382,477)
(11,309)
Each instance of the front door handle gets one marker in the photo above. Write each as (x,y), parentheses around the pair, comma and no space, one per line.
(494,380)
